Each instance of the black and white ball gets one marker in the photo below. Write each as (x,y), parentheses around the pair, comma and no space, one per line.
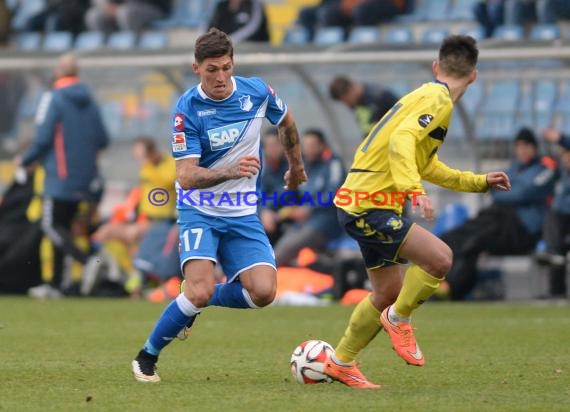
(308,362)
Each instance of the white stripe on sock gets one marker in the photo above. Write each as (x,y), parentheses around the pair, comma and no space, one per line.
(248,299)
(394,318)
(186,306)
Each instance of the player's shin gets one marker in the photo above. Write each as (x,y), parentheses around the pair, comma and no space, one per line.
(175,317)
(231,295)
(417,288)
(363,326)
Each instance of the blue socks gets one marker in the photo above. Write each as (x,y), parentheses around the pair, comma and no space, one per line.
(231,295)
(181,312)
(176,315)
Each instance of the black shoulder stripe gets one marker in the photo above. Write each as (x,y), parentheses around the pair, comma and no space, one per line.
(364,171)
(438,133)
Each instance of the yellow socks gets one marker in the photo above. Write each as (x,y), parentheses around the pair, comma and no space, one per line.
(363,326)
(417,288)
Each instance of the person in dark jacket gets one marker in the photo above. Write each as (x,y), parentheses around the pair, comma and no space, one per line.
(274,167)
(69,135)
(136,15)
(315,224)
(368,101)
(512,225)
(243,20)
(65,15)
(557,225)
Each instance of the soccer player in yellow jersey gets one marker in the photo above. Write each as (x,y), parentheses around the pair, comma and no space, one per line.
(400,151)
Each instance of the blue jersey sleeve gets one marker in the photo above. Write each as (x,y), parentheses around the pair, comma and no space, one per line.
(276,108)
(185,131)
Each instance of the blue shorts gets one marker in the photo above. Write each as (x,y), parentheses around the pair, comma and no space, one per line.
(379,233)
(237,243)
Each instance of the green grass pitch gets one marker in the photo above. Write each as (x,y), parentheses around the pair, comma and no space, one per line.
(74,355)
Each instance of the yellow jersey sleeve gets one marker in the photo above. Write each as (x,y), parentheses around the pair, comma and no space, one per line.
(440,174)
(423,117)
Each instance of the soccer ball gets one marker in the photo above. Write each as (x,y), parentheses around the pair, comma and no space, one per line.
(308,362)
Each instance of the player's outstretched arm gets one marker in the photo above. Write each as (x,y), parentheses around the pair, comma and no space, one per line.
(191,176)
(289,137)
(498,180)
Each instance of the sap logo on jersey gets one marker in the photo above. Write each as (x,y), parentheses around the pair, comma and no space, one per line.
(224,137)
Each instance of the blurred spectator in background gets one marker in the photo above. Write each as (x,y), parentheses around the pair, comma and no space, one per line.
(273,169)
(512,225)
(69,135)
(14,87)
(556,10)
(490,14)
(369,102)
(5,19)
(243,20)
(557,226)
(518,12)
(132,218)
(348,13)
(60,15)
(315,225)
(310,16)
(151,204)
(135,15)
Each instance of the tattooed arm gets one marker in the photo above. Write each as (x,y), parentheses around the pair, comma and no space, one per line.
(192,176)
(289,137)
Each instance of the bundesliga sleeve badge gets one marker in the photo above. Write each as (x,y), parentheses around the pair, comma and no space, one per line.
(178,142)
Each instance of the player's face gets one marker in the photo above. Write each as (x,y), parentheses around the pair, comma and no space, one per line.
(215,75)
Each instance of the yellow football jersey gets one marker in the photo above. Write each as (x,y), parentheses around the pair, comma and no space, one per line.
(159,176)
(400,150)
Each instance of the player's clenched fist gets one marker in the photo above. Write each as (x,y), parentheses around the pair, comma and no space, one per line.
(498,180)
(294,178)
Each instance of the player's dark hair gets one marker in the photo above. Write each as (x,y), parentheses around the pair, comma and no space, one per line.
(214,43)
(339,86)
(458,55)
(318,133)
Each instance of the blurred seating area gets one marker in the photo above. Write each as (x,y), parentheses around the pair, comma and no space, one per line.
(425,22)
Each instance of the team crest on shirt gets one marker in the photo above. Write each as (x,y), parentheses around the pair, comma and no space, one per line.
(178,142)
(245,103)
(225,137)
(395,223)
(425,119)
(179,122)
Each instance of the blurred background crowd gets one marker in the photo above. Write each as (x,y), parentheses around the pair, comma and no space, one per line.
(111,240)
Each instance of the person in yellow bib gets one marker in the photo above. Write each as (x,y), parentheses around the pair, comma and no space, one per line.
(388,167)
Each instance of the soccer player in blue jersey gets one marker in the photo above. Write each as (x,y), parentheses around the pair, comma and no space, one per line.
(216,144)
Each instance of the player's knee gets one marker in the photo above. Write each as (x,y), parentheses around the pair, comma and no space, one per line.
(263,295)
(199,294)
(384,298)
(441,263)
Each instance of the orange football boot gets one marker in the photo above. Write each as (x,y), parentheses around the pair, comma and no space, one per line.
(403,340)
(349,375)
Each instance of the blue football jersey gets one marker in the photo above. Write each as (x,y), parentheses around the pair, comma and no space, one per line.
(219,133)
